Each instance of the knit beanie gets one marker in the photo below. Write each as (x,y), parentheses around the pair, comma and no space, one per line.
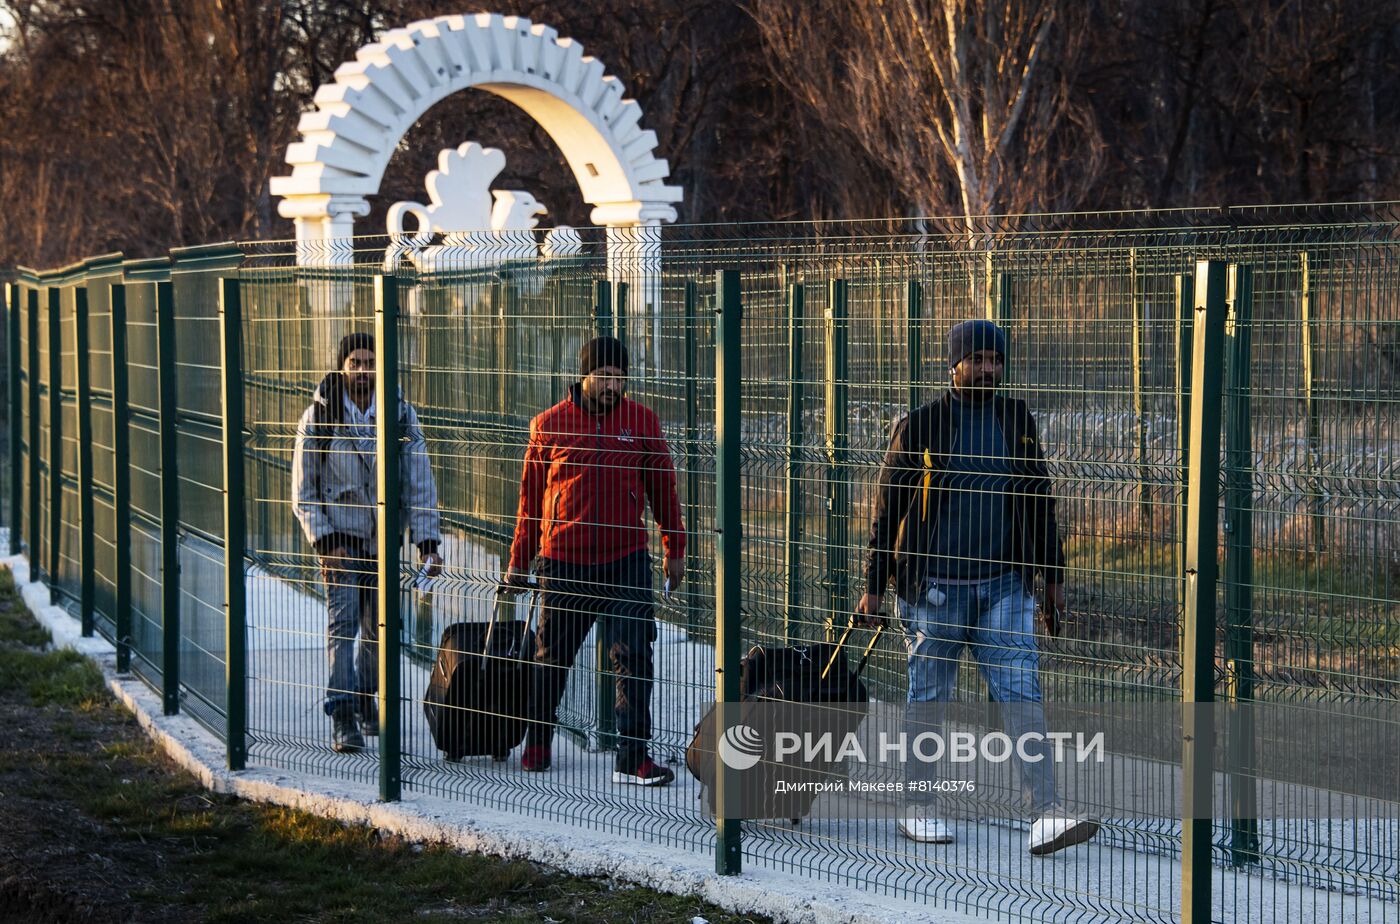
(970,336)
(600,352)
(350,343)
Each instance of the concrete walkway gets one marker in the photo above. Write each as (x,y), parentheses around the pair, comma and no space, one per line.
(845,869)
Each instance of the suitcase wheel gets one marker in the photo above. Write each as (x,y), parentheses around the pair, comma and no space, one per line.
(796,822)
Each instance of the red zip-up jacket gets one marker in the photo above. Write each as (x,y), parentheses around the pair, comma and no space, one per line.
(586,482)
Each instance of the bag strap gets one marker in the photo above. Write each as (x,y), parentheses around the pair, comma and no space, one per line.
(865,655)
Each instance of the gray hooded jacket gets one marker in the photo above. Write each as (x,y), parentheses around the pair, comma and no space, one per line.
(335,478)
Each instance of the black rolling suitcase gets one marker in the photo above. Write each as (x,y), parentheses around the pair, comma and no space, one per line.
(480,686)
(801,674)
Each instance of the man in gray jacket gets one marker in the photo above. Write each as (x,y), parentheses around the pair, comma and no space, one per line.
(335,487)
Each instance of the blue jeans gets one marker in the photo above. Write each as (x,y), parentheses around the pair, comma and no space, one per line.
(352,607)
(995,620)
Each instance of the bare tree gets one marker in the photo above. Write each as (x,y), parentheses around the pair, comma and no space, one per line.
(966,103)
(143,124)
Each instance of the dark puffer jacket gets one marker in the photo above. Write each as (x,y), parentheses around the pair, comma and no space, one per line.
(908,497)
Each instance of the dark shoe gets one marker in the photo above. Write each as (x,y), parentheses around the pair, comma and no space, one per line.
(535,759)
(367,709)
(346,737)
(646,773)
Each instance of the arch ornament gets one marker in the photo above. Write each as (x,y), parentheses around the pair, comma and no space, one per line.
(360,118)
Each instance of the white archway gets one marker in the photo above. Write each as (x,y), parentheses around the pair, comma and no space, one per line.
(347,140)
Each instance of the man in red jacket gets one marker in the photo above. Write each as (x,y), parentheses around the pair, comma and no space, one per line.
(593,462)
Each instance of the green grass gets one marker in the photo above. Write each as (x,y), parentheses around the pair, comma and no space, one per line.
(17,627)
(195,855)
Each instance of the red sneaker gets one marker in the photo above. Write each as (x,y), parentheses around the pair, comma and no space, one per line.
(535,759)
(646,773)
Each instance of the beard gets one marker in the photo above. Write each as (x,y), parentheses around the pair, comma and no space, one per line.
(979,388)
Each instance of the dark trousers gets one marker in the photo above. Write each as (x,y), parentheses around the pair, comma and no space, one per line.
(572,597)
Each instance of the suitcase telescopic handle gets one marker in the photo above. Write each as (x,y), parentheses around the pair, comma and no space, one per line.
(864,656)
(529,622)
(491,625)
(496,605)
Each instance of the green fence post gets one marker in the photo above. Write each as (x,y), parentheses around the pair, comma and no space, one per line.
(729,314)
(388,449)
(13,294)
(1202,574)
(82,358)
(1313,434)
(168,384)
(55,295)
(1239,569)
(32,381)
(497,297)
(793,493)
(989,296)
(604,681)
(602,308)
(1185,304)
(558,381)
(514,368)
(121,482)
(620,311)
(838,486)
(692,440)
(235,525)
(1001,295)
(914,309)
(7,307)
(1139,406)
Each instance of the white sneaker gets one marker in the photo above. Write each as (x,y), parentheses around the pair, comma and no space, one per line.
(925,830)
(1057,829)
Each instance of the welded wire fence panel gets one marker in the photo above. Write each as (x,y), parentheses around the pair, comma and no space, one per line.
(199,440)
(1311,612)
(43,555)
(7,413)
(292,327)
(69,576)
(103,452)
(857,378)
(143,382)
(483,350)
(26,397)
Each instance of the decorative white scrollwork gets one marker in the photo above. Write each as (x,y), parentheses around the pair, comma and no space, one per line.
(481,227)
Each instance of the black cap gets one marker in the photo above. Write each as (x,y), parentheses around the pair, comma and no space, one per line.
(350,343)
(600,352)
(970,336)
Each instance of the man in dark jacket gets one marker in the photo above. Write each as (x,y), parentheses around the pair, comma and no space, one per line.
(593,462)
(335,490)
(964,522)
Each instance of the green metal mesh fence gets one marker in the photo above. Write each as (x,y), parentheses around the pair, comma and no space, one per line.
(103,449)
(843,334)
